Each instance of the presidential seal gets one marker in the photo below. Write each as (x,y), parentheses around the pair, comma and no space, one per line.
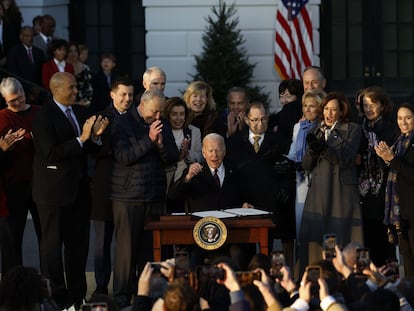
(210,233)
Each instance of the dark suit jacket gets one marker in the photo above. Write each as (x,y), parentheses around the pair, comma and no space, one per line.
(101,97)
(41,44)
(203,194)
(59,167)
(101,180)
(405,181)
(255,171)
(18,63)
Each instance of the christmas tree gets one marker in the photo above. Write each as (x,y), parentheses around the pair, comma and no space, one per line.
(223,62)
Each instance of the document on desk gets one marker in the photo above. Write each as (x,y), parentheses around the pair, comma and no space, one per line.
(231,212)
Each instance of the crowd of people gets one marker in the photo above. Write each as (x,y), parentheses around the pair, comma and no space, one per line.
(100,152)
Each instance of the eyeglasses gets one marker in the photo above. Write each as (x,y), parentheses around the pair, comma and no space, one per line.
(256,121)
(14,100)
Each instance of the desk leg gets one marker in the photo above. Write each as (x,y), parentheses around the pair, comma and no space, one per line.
(264,241)
(156,235)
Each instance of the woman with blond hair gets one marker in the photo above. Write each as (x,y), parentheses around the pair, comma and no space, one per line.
(203,114)
(311,108)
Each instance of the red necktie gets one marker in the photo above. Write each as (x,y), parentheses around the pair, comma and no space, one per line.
(30,55)
(216,178)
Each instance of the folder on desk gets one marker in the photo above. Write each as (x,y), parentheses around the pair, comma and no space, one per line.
(231,212)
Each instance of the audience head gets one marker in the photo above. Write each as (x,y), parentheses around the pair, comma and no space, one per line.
(154,78)
(108,62)
(290,90)
(26,36)
(83,52)
(375,103)
(254,297)
(199,97)
(311,104)
(63,88)
(13,93)
(112,306)
(179,296)
(73,52)
(22,288)
(256,118)
(59,49)
(335,107)
(405,118)
(122,93)
(214,150)
(259,261)
(176,112)
(237,100)
(382,300)
(36,24)
(152,105)
(11,10)
(350,254)
(313,78)
(48,25)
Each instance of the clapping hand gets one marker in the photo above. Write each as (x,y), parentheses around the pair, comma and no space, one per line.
(100,125)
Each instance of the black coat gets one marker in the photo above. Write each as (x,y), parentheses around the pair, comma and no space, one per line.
(139,168)
(101,180)
(202,192)
(18,63)
(59,165)
(255,171)
(405,182)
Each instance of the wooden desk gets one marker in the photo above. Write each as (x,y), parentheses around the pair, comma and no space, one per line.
(179,230)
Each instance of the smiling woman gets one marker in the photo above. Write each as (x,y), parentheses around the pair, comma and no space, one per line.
(17,177)
(332,201)
(199,99)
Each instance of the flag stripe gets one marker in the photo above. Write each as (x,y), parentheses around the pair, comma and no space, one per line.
(293,40)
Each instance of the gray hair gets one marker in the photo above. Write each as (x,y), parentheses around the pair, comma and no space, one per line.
(148,95)
(10,85)
(150,71)
(215,136)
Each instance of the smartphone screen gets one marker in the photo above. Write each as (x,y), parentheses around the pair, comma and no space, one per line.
(277,262)
(314,273)
(363,260)
(182,264)
(328,246)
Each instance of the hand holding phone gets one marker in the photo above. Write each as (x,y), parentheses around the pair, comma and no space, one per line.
(313,274)
(363,260)
(328,246)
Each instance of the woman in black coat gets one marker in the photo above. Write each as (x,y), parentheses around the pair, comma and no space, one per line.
(377,125)
(399,212)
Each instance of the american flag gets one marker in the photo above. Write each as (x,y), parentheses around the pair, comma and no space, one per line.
(293,39)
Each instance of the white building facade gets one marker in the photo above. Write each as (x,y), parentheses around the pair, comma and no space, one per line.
(174,35)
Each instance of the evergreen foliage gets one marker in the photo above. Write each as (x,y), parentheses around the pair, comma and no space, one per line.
(223,62)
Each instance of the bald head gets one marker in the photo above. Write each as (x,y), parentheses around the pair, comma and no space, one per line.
(63,88)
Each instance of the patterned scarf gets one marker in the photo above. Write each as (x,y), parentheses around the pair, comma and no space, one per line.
(372,172)
(392,199)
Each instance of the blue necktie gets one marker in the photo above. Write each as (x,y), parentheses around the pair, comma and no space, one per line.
(72,121)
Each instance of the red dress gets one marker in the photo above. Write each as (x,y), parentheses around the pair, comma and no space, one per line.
(50,68)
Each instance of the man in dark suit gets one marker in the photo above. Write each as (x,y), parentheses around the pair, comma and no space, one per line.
(25,60)
(45,36)
(209,185)
(255,155)
(122,94)
(61,190)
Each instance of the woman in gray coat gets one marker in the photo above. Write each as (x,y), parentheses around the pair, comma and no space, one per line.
(332,202)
